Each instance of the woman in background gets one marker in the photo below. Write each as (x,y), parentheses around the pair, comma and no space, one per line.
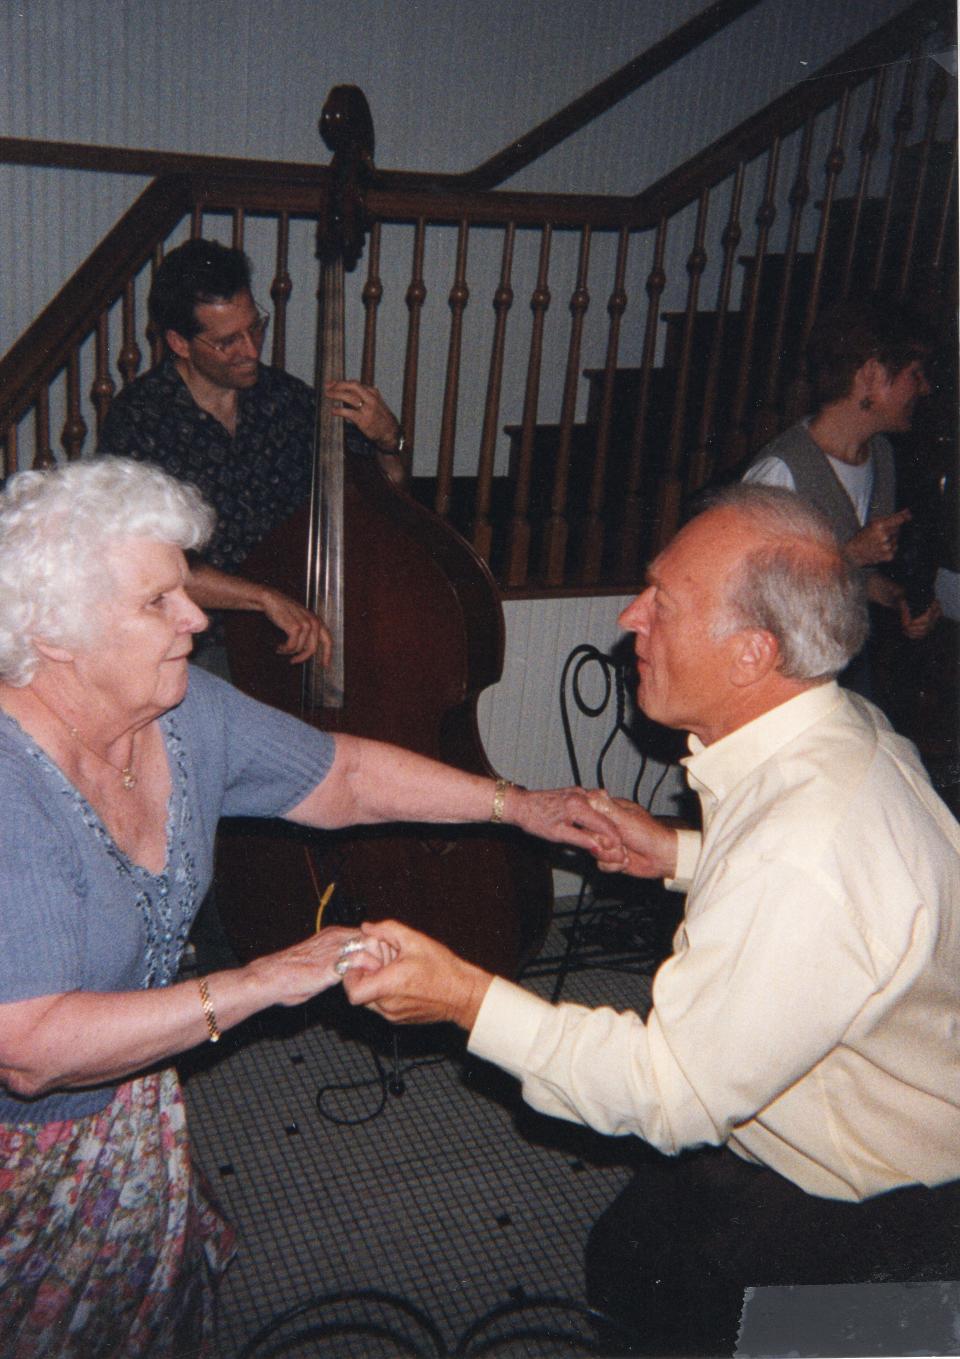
(866,360)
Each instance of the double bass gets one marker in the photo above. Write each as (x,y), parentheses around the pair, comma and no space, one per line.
(418,634)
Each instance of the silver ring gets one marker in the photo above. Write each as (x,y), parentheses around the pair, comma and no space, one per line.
(355,945)
(342,967)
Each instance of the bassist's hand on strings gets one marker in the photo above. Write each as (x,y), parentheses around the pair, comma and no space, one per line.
(364,407)
(306,633)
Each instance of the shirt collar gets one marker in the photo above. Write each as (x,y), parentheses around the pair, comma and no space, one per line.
(717,768)
(181,394)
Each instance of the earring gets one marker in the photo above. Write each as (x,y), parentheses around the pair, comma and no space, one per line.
(866,403)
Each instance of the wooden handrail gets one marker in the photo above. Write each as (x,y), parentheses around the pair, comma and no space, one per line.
(790,111)
(583,110)
(124,160)
(490,173)
(399,193)
(43,348)
(576,507)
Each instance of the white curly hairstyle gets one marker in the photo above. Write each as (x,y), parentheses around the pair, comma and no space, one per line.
(54,529)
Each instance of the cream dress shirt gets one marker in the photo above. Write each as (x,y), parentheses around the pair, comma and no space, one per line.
(809,1016)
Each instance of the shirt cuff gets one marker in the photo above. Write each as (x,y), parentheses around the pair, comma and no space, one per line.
(506,1026)
(688,852)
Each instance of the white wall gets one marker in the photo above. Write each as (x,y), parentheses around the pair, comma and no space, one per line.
(519,718)
(450,82)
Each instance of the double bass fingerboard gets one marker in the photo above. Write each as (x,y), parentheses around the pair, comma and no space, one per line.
(323,686)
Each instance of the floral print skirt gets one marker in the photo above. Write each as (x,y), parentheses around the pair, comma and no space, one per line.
(108,1243)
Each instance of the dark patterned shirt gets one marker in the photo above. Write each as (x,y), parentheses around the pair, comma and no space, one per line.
(254,479)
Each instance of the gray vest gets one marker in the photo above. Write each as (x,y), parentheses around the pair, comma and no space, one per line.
(816,481)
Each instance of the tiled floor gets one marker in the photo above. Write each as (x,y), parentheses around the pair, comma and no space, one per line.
(452,1197)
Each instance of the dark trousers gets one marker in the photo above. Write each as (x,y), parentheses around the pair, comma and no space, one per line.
(670,1258)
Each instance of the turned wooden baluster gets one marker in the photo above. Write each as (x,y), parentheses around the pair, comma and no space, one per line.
(556,529)
(902,123)
(635,508)
(737,440)
(592,553)
(769,422)
(518,539)
(482,533)
(196,221)
(671,486)
(280,290)
(103,388)
(10,453)
(156,341)
(74,426)
(936,92)
(128,360)
(43,453)
(459,296)
(799,399)
(869,143)
(947,218)
(372,294)
(239,222)
(415,298)
(700,463)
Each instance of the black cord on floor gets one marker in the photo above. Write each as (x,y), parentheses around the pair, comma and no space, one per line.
(390,1083)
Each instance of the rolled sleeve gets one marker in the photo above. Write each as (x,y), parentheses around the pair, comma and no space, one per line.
(689,843)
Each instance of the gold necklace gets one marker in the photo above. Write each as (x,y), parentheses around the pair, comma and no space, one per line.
(128,779)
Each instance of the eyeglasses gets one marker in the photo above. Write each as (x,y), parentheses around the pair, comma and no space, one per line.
(231,344)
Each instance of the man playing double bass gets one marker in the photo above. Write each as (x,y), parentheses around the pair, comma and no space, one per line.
(242,432)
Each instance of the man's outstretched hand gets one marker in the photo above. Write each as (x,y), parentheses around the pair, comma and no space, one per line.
(425,984)
(644,846)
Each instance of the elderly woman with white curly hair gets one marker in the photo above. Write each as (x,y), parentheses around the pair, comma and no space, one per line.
(116,762)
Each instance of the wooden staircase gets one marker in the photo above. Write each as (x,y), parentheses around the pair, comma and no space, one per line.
(716,272)
(705,350)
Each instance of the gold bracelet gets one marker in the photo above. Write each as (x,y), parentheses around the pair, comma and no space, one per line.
(209,1013)
(499,797)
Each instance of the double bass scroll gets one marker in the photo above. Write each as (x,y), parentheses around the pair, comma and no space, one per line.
(418,624)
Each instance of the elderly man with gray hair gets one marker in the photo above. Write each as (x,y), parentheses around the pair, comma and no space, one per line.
(801,1059)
